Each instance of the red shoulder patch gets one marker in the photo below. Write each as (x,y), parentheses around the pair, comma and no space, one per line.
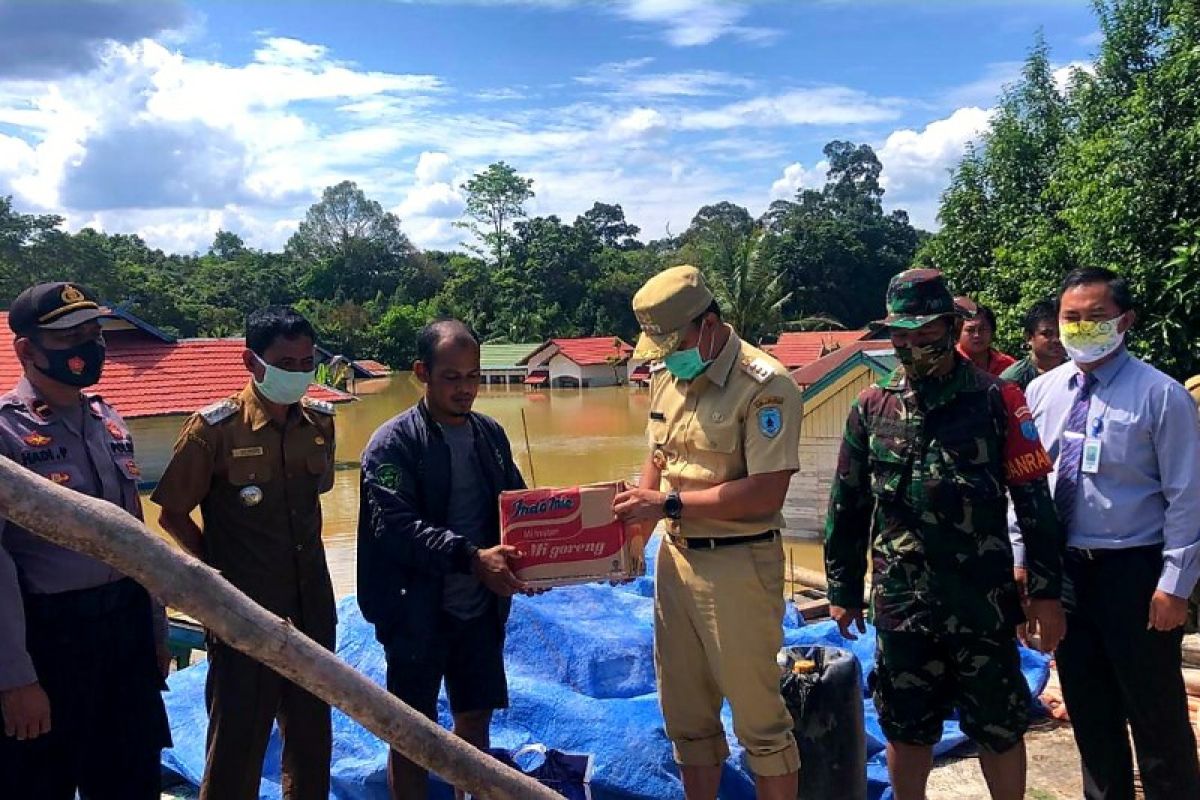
(1025,459)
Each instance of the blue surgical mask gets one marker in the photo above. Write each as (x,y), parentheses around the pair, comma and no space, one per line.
(687,364)
(283,387)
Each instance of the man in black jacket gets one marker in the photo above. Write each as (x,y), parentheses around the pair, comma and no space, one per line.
(432,575)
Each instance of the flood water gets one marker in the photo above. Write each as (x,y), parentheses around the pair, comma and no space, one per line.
(576,436)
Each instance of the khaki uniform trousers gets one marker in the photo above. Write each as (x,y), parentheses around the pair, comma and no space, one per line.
(244,699)
(718,625)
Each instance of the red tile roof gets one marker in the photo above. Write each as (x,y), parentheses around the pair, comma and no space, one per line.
(146,377)
(811,373)
(376,369)
(588,352)
(800,348)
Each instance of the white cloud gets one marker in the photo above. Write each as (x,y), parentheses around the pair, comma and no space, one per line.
(796,177)
(434,168)
(827,105)
(987,89)
(639,122)
(1065,74)
(189,230)
(624,79)
(917,164)
(684,23)
(437,201)
(280,50)
(689,23)
(504,94)
(175,147)
(165,130)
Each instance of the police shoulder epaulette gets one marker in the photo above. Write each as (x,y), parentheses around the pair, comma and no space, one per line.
(758,368)
(219,411)
(319,406)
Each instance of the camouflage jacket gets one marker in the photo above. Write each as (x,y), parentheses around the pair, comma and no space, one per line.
(932,466)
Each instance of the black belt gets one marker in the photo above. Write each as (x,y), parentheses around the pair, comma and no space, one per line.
(1099,554)
(701,543)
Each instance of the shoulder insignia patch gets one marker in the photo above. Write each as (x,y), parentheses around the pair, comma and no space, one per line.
(319,406)
(388,476)
(759,369)
(770,421)
(219,411)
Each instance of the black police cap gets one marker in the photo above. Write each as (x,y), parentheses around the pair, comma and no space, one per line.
(53,306)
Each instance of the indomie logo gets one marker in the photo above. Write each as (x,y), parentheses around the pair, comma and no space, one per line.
(556,503)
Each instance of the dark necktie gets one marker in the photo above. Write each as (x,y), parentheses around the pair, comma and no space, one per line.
(1070,458)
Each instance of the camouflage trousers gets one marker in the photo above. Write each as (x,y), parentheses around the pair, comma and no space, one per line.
(920,679)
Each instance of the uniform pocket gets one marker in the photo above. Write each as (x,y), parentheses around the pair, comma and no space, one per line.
(717,437)
(768,561)
(973,468)
(245,471)
(656,432)
(888,462)
(128,467)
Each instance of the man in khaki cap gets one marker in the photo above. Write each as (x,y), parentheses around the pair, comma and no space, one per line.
(724,433)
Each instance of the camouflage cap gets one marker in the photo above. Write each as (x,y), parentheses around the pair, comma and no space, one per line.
(664,306)
(916,297)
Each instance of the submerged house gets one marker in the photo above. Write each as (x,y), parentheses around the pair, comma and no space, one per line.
(829,386)
(579,363)
(796,349)
(501,363)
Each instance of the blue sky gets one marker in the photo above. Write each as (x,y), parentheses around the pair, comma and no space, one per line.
(173,119)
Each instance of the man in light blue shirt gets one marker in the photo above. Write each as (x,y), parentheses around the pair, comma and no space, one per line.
(1126,445)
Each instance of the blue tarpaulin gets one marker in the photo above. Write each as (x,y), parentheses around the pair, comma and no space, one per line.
(581,679)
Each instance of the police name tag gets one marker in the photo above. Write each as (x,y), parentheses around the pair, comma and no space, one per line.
(247,452)
(1090,463)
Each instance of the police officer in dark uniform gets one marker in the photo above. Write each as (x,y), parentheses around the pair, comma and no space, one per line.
(82,647)
(256,464)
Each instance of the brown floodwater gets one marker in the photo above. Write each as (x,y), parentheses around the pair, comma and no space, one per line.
(575,436)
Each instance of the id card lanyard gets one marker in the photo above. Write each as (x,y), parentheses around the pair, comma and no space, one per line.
(1092,444)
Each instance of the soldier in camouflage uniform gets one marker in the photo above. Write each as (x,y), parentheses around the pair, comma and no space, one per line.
(926,460)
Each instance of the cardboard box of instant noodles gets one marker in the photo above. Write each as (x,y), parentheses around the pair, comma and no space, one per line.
(568,536)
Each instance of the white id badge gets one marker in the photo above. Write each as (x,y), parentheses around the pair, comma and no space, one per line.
(1090,462)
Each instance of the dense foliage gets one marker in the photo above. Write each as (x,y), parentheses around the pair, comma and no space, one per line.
(1104,170)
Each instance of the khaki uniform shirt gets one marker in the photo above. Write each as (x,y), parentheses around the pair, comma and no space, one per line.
(258,485)
(741,417)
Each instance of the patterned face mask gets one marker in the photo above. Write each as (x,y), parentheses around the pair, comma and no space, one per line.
(1089,342)
(922,361)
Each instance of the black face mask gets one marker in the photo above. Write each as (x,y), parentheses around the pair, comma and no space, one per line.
(80,365)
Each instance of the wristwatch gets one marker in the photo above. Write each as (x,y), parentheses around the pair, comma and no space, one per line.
(673,506)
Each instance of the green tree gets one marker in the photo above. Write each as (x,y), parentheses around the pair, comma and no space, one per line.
(352,248)
(395,334)
(726,245)
(1105,174)
(496,198)
(606,221)
(836,246)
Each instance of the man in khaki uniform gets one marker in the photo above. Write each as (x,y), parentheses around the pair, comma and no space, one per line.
(256,464)
(724,434)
